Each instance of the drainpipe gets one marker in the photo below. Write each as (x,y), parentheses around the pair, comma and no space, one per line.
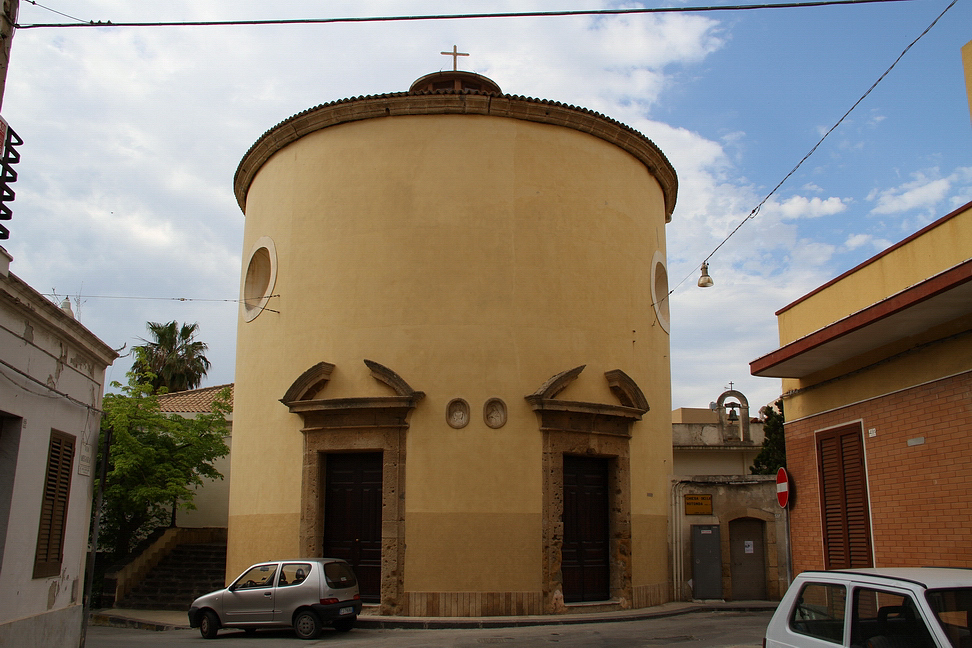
(678,552)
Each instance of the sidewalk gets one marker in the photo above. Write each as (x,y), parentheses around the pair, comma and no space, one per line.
(175,620)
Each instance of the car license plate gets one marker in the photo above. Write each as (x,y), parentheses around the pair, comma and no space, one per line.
(347,610)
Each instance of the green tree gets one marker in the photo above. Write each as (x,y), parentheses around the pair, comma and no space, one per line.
(155,459)
(773,455)
(174,359)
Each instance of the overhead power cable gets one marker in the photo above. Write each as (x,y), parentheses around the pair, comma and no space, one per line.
(511,14)
(180,299)
(59,13)
(756,209)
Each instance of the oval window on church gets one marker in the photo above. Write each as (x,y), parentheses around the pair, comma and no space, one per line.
(659,290)
(261,275)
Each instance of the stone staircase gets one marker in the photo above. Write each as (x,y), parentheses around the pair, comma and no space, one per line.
(188,571)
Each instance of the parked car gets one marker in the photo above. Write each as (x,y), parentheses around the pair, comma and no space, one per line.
(928,607)
(306,594)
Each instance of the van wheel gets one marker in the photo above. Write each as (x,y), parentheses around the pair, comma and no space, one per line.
(307,625)
(209,625)
(343,625)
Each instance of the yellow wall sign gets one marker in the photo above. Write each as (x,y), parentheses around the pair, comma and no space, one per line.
(698,504)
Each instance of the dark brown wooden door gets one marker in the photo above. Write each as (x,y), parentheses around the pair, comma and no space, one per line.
(748,559)
(843,498)
(352,516)
(584,557)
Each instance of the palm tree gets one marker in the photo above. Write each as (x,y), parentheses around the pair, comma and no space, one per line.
(174,359)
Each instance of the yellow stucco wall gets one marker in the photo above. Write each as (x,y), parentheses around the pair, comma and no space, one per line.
(946,358)
(927,255)
(475,256)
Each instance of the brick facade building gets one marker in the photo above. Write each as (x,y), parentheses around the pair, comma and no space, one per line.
(877,368)
(918,474)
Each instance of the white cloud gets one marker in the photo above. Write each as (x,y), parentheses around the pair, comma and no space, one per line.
(797,207)
(133,137)
(925,192)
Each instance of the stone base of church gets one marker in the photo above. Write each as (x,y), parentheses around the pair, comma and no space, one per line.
(650,595)
(473,604)
(485,604)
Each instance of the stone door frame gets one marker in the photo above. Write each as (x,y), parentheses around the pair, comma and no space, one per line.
(376,424)
(593,430)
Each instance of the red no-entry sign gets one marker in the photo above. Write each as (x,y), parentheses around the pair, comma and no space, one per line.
(782,487)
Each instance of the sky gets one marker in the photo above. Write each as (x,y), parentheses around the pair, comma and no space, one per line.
(124,201)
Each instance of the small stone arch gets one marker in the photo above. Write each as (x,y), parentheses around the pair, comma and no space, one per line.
(743,412)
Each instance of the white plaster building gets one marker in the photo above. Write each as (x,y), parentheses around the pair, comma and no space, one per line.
(52,372)
(212,497)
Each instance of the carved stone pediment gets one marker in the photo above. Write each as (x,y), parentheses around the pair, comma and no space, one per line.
(366,411)
(597,418)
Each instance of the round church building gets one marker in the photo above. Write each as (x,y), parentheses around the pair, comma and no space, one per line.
(453,352)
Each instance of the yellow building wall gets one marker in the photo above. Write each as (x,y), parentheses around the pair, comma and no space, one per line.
(927,255)
(475,256)
(948,357)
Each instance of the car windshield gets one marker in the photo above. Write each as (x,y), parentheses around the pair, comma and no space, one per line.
(258,576)
(953,609)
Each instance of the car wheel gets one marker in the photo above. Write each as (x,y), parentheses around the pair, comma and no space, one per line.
(208,624)
(343,625)
(307,624)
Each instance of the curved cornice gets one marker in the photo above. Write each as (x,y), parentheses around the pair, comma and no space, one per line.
(633,401)
(300,397)
(557,383)
(457,103)
(308,383)
(383,374)
(626,390)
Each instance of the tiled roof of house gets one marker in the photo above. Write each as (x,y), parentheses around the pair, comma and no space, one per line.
(194,400)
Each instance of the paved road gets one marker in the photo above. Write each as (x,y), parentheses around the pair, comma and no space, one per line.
(696,630)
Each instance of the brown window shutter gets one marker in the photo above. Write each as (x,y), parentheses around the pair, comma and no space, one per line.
(57,490)
(843,498)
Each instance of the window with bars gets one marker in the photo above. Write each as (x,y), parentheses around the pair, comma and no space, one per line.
(57,490)
(843,498)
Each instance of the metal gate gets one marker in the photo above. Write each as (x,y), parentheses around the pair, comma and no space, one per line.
(706,562)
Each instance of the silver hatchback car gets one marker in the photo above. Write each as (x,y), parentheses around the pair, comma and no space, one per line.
(305,594)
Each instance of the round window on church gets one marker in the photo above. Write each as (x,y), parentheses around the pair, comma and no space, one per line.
(261,275)
(659,290)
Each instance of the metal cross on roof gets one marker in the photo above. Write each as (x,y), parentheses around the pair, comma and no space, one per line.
(455,54)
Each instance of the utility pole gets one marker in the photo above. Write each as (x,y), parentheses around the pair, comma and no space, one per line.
(7,21)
